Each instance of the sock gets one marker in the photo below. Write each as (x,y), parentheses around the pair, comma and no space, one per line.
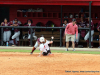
(91,43)
(18,43)
(29,42)
(33,49)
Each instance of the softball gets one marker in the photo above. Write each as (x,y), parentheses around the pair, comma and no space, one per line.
(52,37)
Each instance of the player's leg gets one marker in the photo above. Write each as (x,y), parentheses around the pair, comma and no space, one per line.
(73,43)
(77,40)
(92,32)
(67,41)
(17,38)
(86,38)
(8,35)
(4,38)
(34,48)
(16,35)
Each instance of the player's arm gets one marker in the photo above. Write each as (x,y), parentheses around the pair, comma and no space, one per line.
(50,42)
(76,32)
(15,25)
(40,53)
(1,23)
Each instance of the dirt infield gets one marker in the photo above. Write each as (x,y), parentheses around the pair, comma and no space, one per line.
(59,64)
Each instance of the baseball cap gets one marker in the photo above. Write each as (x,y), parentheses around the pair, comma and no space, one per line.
(73,19)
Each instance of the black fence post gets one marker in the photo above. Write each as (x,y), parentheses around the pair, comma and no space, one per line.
(31,40)
(61,29)
(1,36)
(90,24)
(60,37)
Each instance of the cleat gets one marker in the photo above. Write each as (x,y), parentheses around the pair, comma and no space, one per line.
(31,53)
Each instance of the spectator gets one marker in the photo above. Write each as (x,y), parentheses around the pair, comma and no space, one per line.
(7,32)
(64,25)
(29,23)
(16,35)
(92,32)
(77,40)
(82,24)
(98,28)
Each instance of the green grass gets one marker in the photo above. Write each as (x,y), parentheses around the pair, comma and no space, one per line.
(53,51)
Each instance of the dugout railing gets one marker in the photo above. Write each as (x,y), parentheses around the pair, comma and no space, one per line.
(35,27)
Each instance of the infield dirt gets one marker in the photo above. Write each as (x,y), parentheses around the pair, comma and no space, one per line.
(25,64)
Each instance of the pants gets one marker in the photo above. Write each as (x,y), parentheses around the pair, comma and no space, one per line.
(77,40)
(36,44)
(6,36)
(46,53)
(87,35)
(16,36)
(29,35)
(69,36)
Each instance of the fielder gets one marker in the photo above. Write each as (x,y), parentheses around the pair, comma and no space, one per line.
(44,48)
(37,44)
(92,32)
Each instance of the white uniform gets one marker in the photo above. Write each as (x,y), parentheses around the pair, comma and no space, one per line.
(7,32)
(6,35)
(44,47)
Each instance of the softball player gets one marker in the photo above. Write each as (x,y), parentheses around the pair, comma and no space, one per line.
(44,48)
(29,23)
(64,25)
(92,32)
(15,37)
(98,28)
(82,24)
(36,45)
(7,32)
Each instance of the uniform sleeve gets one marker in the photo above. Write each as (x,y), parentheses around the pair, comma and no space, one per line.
(76,31)
(47,42)
(66,28)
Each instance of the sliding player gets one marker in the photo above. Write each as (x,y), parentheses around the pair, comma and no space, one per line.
(36,45)
(44,48)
